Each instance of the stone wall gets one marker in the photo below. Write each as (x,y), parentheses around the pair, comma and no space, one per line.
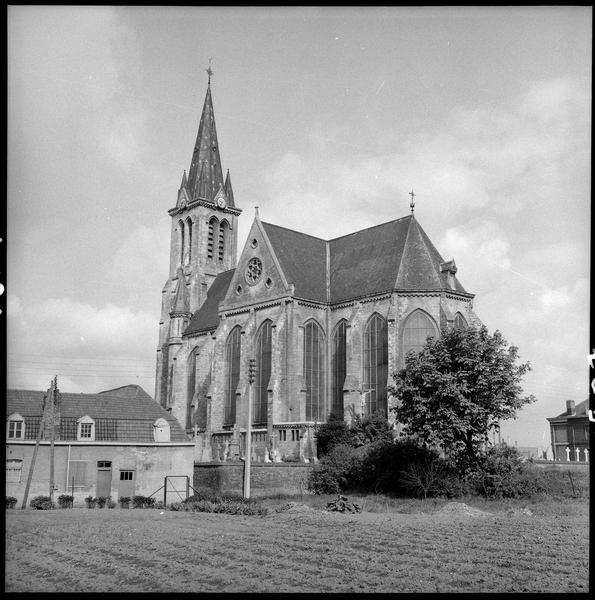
(265,479)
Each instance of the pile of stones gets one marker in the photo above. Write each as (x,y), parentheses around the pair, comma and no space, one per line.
(341,504)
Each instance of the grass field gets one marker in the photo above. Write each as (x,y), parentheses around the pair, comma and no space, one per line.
(392,546)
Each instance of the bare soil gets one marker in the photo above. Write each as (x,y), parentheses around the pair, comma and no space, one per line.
(427,547)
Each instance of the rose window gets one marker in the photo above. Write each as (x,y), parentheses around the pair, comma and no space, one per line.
(254,271)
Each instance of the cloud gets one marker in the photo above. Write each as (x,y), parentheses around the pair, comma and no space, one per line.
(90,346)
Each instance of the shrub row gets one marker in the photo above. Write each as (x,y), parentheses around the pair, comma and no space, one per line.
(228,504)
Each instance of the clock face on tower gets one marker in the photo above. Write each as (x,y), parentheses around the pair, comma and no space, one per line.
(221,202)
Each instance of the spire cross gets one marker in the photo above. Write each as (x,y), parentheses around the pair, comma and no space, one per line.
(209,70)
(412,205)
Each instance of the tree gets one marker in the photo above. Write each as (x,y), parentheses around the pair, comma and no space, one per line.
(458,388)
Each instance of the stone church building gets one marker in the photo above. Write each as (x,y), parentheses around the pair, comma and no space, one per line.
(326,321)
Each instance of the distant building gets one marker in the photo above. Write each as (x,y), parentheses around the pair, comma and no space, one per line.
(570,431)
(116,443)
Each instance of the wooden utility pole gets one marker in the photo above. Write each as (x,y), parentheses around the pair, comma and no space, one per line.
(52,413)
(248,451)
(47,400)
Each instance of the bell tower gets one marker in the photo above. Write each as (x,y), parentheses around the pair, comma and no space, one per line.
(203,243)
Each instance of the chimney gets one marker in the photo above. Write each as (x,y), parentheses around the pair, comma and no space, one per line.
(570,407)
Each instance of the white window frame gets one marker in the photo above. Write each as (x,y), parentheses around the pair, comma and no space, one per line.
(13,419)
(86,420)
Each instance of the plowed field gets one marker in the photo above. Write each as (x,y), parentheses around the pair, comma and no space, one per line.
(303,549)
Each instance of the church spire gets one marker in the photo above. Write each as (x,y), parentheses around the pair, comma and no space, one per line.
(229,190)
(205,176)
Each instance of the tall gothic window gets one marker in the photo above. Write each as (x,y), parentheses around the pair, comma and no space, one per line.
(459,322)
(375,364)
(418,328)
(223,227)
(263,373)
(314,371)
(339,366)
(189,247)
(232,374)
(181,225)
(211,236)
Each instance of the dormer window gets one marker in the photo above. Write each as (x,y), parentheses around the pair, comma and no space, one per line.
(85,429)
(161,431)
(16,427)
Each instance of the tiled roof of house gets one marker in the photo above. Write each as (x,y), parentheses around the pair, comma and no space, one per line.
(127,412)
(580,411)
(207,316)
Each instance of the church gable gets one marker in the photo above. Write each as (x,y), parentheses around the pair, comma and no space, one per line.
(258,275)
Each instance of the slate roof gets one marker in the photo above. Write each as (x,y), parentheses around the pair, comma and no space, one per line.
(207,316)
(395,255)
(127,412)
(302,258)
(580,411)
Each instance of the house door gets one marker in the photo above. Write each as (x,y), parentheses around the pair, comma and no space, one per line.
(126,487)
(104,478)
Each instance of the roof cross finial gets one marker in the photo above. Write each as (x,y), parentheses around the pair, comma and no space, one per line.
(412,205)
(209,70)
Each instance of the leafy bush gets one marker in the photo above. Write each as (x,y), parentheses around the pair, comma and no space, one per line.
(110,502)
(231,505)
(65,501)
(332,433)
(501,473)
(11,501)
(90,501)
(336,471)
(370,428)
(124,500)
(101,501)
(42,503)
(143,502)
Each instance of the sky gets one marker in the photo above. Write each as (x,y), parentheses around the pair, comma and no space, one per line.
(326,119)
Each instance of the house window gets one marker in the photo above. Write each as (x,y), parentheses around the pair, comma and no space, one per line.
(126,475)
(418,328)
(375,365)
(283,435)
(86,429)
(14,468)
(161,430)
(232,376)
(16,427)
(263,372)
(314,371)
(295,435)
(339,366)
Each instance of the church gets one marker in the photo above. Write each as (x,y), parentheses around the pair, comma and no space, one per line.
(297,326)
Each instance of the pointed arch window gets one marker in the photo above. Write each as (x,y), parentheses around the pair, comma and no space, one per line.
(223,227)
(418,328)
(314,371)
(211,236)
(459,322)
(232,374)
(182,242)
(189,245)
(339,366)
(375,364)
(263,372)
